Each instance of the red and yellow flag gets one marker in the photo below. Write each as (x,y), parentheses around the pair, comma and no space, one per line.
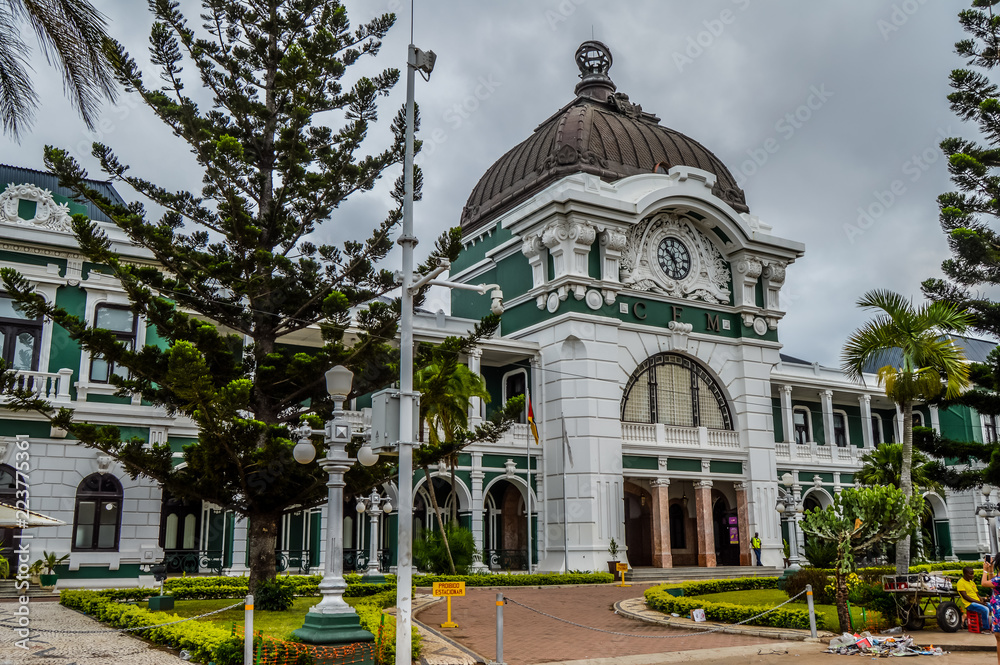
(531,422)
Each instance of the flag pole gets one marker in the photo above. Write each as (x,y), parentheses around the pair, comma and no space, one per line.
(527,493)
(565,498)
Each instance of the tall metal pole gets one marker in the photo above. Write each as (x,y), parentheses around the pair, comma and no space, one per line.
(404,576)
(527,493)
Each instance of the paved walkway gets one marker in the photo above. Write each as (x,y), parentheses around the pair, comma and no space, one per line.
(69,648)
(530,637)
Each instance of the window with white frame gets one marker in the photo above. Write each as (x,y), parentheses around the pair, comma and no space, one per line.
(121,321)
(516,383)
(840,436)
(20,336)
(877,437)
(802,422)
(990,429)
(918,419)
(97,520)
(674,390)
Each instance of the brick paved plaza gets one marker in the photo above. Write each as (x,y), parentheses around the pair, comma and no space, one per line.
(533,638)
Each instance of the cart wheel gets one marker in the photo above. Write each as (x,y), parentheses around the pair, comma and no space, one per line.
(912,618)
(948,617)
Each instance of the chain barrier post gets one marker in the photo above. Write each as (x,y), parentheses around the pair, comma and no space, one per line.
(248,630)
(812,610)
(500,629)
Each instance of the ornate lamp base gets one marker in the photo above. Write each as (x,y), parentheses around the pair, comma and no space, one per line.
(332,629)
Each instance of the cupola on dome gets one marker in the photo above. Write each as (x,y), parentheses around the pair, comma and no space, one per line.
(601,132)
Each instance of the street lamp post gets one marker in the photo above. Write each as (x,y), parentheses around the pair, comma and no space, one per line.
(789,506)
(332,621)
(375,505)
(989,511)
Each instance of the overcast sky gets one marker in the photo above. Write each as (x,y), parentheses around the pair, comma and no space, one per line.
(853,94)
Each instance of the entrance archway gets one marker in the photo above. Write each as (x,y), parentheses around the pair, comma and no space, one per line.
(726,526)
(638,525)
(505,528)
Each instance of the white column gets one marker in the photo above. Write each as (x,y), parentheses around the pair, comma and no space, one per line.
(475,403)
(826,400)
(935,418)
(800,536)
(836,482)
(865,401)
(477,476)
(787,415)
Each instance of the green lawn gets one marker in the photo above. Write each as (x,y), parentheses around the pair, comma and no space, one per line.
(772,597)
(278,625)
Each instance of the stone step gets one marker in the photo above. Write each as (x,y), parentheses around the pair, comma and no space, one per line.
(9,592)
(647,574)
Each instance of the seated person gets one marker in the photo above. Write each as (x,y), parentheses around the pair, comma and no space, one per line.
(968,597)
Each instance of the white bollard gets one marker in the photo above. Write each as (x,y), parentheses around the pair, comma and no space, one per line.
(248,630)
(500,629)
(812,610)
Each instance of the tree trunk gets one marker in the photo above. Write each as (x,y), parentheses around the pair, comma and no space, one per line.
(842,614)
(262,539)
(906,485)
(440,520)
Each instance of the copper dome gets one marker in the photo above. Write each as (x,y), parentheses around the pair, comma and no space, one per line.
(600,132)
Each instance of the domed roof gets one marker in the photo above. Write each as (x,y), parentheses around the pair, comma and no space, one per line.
(600,132)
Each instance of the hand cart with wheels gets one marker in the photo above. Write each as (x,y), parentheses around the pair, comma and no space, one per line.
(920,597)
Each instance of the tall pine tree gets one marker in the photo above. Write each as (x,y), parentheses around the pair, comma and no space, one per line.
(234,275)
(969,217)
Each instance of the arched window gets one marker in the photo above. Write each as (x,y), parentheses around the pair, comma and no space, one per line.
(802,420)
(97,521)
(678,538)
(672,389)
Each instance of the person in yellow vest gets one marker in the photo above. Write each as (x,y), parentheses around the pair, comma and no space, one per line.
(755,544)
(968,597)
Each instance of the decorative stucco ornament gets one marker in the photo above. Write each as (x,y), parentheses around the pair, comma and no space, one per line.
(49,215)
(708,277)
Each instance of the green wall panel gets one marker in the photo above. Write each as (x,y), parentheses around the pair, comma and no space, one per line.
(718,466)
(678,464)
(33,428)
(476,252)
(639,462)
(7,257)
(64,353)
(779,424)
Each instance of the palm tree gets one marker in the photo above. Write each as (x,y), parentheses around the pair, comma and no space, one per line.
(929,365)
(72,36)
(883,466)
(446,387)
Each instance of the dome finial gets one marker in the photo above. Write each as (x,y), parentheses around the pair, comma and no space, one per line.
(594,60)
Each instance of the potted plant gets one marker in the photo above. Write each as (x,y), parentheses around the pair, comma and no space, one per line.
(613,551)
(48,563)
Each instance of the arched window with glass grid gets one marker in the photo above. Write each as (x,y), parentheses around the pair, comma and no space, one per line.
(674,390)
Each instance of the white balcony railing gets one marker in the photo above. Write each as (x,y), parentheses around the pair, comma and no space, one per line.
(51,386)
(681,437)
(817,454)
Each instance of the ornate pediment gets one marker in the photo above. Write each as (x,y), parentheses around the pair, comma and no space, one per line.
(667,254)
(49,215)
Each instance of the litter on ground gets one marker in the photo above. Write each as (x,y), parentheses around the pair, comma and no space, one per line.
(882,646)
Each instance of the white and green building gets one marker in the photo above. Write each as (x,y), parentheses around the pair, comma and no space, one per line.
(642,315)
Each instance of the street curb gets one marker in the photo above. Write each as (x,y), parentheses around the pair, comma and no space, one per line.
(701,627)
(764,631)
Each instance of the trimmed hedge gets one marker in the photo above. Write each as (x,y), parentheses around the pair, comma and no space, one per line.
(202,639)
(658,598)
(544,579)
(199,638)
(203,588)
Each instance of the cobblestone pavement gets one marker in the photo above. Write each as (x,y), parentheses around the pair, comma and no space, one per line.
(73,648)
(532,638)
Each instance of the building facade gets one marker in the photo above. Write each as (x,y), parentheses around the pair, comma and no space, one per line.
(642,316)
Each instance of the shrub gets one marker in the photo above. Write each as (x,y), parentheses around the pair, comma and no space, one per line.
(821,553)
(817,577)
(659,599)
(873,597)
(703,587)
(429,552)
(229,652)
(540,579)
(274,595)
